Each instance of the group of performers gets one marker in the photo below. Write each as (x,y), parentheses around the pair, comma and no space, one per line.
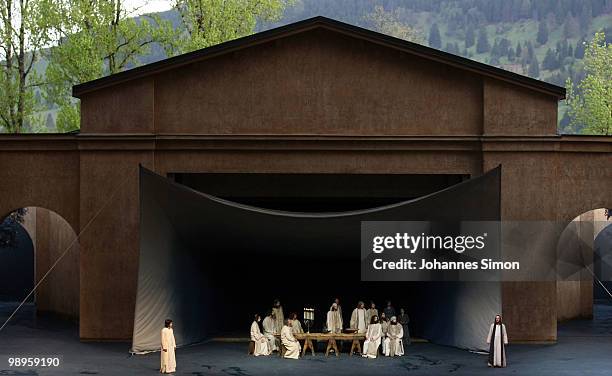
(393,334)
(386,329)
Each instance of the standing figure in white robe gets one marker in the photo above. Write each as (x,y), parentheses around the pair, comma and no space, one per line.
(334,320)
(337,301)
(372,339)
(371,312)
(291,344)
(279,316)
(262,347)
(393,343)
(358,318)
(296,325)
(168,346)
(269,330)
(497,340)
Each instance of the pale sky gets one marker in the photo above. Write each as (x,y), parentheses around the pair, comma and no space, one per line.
(148,6)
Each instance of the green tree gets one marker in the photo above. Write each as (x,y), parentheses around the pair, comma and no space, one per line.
(590,101)
(389,23)
(550,61)
(542,37)
(470,37)
(24,29)
(482,45)
(210,22)
(534,68)
(434,37)
(510,54)
(97,38)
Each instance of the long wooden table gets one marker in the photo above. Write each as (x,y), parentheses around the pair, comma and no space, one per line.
(331,339)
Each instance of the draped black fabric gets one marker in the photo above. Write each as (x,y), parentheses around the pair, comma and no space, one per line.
(209,264)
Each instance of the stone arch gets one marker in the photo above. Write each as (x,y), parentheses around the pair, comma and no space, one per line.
(52,237)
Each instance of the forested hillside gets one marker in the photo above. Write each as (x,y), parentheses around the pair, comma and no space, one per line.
(543,39)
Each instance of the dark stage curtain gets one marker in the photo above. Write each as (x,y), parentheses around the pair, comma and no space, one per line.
(200,256)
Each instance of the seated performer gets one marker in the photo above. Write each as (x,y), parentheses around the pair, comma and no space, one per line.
(384,326)
(358,318)
(168,345)
(269,329)
(497,339)
(262,347)
(296,325)
(372,339)
(291,344)
(393,343)
(334,320)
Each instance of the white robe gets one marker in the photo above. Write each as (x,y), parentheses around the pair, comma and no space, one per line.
(358,320)
(393,344)
(497,346)
(280,318)
(372,341)
(291,344)
(296,326)
(262,347)
(269,327)
(334,322)
(168,358)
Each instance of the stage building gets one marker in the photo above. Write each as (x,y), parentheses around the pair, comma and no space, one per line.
(313,116)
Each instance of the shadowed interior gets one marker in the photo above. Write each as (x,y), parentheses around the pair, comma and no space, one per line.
(210,263)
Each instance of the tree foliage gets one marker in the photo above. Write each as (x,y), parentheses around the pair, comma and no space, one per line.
(96,38)
(434,37)
(210,22)
(590,100)
(24,29)
(389,23)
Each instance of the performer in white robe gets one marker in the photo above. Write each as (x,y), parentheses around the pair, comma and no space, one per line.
(337,301)
(262,347)
(371,312)
(334,320)
(168,346)
(358,318)
(497,340)
(269,328)
(291,344)
(277,308)
(384,325)
(372,339)
(296,325)
(393,342)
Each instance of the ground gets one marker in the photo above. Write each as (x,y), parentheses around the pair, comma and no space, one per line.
(584,348)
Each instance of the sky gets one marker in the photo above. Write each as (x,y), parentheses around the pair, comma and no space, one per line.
(148,6)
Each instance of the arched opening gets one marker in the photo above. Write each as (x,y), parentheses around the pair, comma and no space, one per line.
(584,294)
(32,240)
